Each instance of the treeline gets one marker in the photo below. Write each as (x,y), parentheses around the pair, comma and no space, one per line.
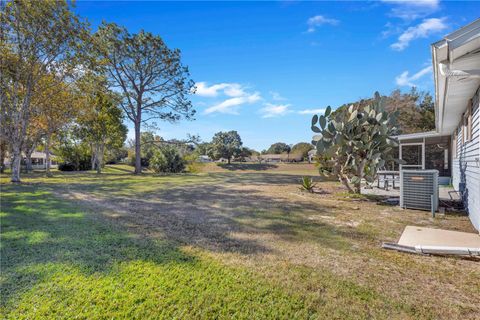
(65,87)
(416,109)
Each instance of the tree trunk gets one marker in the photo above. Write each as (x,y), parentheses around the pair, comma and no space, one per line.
(360,170)
(228,160)
(341,177)
(138,159)
(16,162)
(99,157)
(3,153)
(47,156)
(28,161)
(94,157)
(345,182)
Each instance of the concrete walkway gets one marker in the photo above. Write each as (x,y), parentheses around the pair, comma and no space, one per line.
(444,192)
(415,236)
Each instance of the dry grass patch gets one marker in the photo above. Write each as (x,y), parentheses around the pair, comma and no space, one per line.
(324,247)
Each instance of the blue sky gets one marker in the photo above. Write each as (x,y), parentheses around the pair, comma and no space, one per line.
(263,68)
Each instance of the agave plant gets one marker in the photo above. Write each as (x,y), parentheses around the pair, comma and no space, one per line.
(354,143)
(307,184)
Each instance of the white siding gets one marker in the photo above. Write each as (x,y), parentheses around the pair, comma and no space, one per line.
(466,166)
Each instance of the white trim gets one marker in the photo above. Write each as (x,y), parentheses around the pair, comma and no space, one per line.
(419,135)
(412,144)
(454,57)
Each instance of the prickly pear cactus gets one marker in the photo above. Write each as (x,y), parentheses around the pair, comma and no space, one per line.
(354,143)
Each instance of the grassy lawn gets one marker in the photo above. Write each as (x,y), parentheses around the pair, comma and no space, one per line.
(231,242)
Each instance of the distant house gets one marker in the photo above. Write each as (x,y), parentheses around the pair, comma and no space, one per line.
(454,147)
(39,161)
(311,155)
(204,158)
(282,157)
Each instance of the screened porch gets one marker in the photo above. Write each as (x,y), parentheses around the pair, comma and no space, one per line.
(422,151)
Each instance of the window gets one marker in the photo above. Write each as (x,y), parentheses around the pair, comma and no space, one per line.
(454,144)
(467,123)
(37,161)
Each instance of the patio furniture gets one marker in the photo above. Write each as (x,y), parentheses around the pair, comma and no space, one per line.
(388,176)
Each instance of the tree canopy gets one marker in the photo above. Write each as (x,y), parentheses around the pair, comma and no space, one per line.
(225,145)
(279,148)
(100,121)
(153,81)
(302,148)
(416,110)
(39,38)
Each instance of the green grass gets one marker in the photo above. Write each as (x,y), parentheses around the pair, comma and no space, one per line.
(57,262)
(222,245)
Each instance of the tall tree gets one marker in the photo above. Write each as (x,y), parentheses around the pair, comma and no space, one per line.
(153,81)
(101,126)
(225,145)
(32,140)
(302,148)
(100,119)
(279,148)
(56,106)
(37,38)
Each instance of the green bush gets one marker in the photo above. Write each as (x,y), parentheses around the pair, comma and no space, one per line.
(193,166)
(167,160)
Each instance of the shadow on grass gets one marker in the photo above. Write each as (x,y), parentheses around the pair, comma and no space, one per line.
(113,169)
(205,211)
(247,166)
(39,229)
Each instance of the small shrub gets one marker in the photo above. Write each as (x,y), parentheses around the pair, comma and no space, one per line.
(66,167)
(193,166)
(167,160)
(81,164)
(131,160)
(307,184)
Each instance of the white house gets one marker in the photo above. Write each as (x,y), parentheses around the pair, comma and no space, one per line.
(39,161)
(204,158)
(454,147)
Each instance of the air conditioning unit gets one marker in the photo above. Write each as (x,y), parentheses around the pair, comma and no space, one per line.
(419,189)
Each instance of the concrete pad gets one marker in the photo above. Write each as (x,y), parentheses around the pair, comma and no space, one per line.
(414,236)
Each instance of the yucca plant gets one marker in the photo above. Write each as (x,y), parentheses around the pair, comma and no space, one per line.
(307,184)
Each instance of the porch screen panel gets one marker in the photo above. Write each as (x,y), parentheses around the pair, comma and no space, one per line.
(412,155)
(436,157)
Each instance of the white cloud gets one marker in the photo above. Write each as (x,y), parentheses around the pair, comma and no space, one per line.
(411,10)
(316,21)
(276,96)
(229,89)
(405,80)
(231,105)
(274,110)
(422,30)
(312,111)
(234,95)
